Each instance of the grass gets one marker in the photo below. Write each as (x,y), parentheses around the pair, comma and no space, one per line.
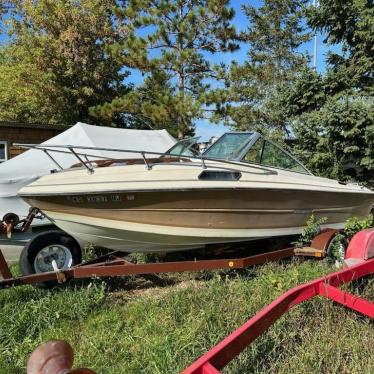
(136,327)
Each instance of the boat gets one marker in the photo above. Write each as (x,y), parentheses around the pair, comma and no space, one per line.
(243,187)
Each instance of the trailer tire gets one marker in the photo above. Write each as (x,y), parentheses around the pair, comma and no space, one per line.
(64,248)
(11,218)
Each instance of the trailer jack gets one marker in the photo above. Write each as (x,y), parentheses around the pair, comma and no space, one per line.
(11,223)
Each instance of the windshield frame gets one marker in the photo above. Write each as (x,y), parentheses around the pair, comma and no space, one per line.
(253,137)
(307,171)
(191,141)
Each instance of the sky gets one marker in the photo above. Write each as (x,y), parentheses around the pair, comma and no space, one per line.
(204,128)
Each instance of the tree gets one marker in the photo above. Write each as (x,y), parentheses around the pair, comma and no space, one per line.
(153,104)
(56,65)
(174,37)
(4,6)
(333,113)
(25,91)
(274,36)
(337,139)
(351,25)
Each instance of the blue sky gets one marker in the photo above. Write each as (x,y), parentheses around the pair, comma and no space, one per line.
(204,128)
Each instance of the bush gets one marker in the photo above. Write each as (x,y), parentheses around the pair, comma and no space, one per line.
(312,228)
(354,225)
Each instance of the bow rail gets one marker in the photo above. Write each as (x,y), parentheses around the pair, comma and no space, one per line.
(82,157)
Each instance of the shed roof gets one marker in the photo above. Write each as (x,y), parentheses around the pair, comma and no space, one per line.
(33,126)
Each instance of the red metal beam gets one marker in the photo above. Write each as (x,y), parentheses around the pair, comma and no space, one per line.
(220,355)
(350,274)
(209,369)
(345,298)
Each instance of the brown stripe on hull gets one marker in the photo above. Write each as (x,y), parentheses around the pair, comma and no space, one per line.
(222,209)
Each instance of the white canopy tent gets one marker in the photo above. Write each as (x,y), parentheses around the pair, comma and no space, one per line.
(30,165)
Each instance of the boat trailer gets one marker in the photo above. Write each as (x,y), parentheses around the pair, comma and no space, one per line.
(56,357)
(113,264)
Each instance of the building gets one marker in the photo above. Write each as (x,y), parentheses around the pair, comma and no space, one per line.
(13,132)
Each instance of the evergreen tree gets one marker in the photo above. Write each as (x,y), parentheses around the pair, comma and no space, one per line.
(349,24)
(153,104)
(174,37)
(56,64)
(333,113)
(274,35)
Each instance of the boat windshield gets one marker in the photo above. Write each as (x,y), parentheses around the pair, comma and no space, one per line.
(266,153)
(229,146)
(251,147)
(185,147)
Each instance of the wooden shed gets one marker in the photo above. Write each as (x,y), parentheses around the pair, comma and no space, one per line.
(14,132)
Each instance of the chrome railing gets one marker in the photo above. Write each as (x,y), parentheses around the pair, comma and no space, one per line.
(88,164)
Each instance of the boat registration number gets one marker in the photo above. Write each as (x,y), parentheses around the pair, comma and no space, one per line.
(99,198)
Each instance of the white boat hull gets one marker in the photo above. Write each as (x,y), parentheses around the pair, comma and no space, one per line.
(132,237)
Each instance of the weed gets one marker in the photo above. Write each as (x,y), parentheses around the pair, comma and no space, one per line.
(355,224)
(312,228)
(88,253)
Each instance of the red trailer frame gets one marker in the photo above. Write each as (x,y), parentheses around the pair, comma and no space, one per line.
(360,252)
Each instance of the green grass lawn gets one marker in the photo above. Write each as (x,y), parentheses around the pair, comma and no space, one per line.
(132,326)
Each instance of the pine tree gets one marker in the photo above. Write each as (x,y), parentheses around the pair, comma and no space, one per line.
(153,104)
(274,35)
(333,113)
(349,24)
(174,37)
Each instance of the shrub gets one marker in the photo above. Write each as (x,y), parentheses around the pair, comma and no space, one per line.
(355,224)
(312,228)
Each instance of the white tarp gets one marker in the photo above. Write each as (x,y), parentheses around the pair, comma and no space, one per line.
(30,165)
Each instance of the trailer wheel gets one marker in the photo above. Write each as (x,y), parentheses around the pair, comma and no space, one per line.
(11,218)
(49,249)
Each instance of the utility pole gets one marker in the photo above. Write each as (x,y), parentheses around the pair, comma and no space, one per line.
(315,4)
